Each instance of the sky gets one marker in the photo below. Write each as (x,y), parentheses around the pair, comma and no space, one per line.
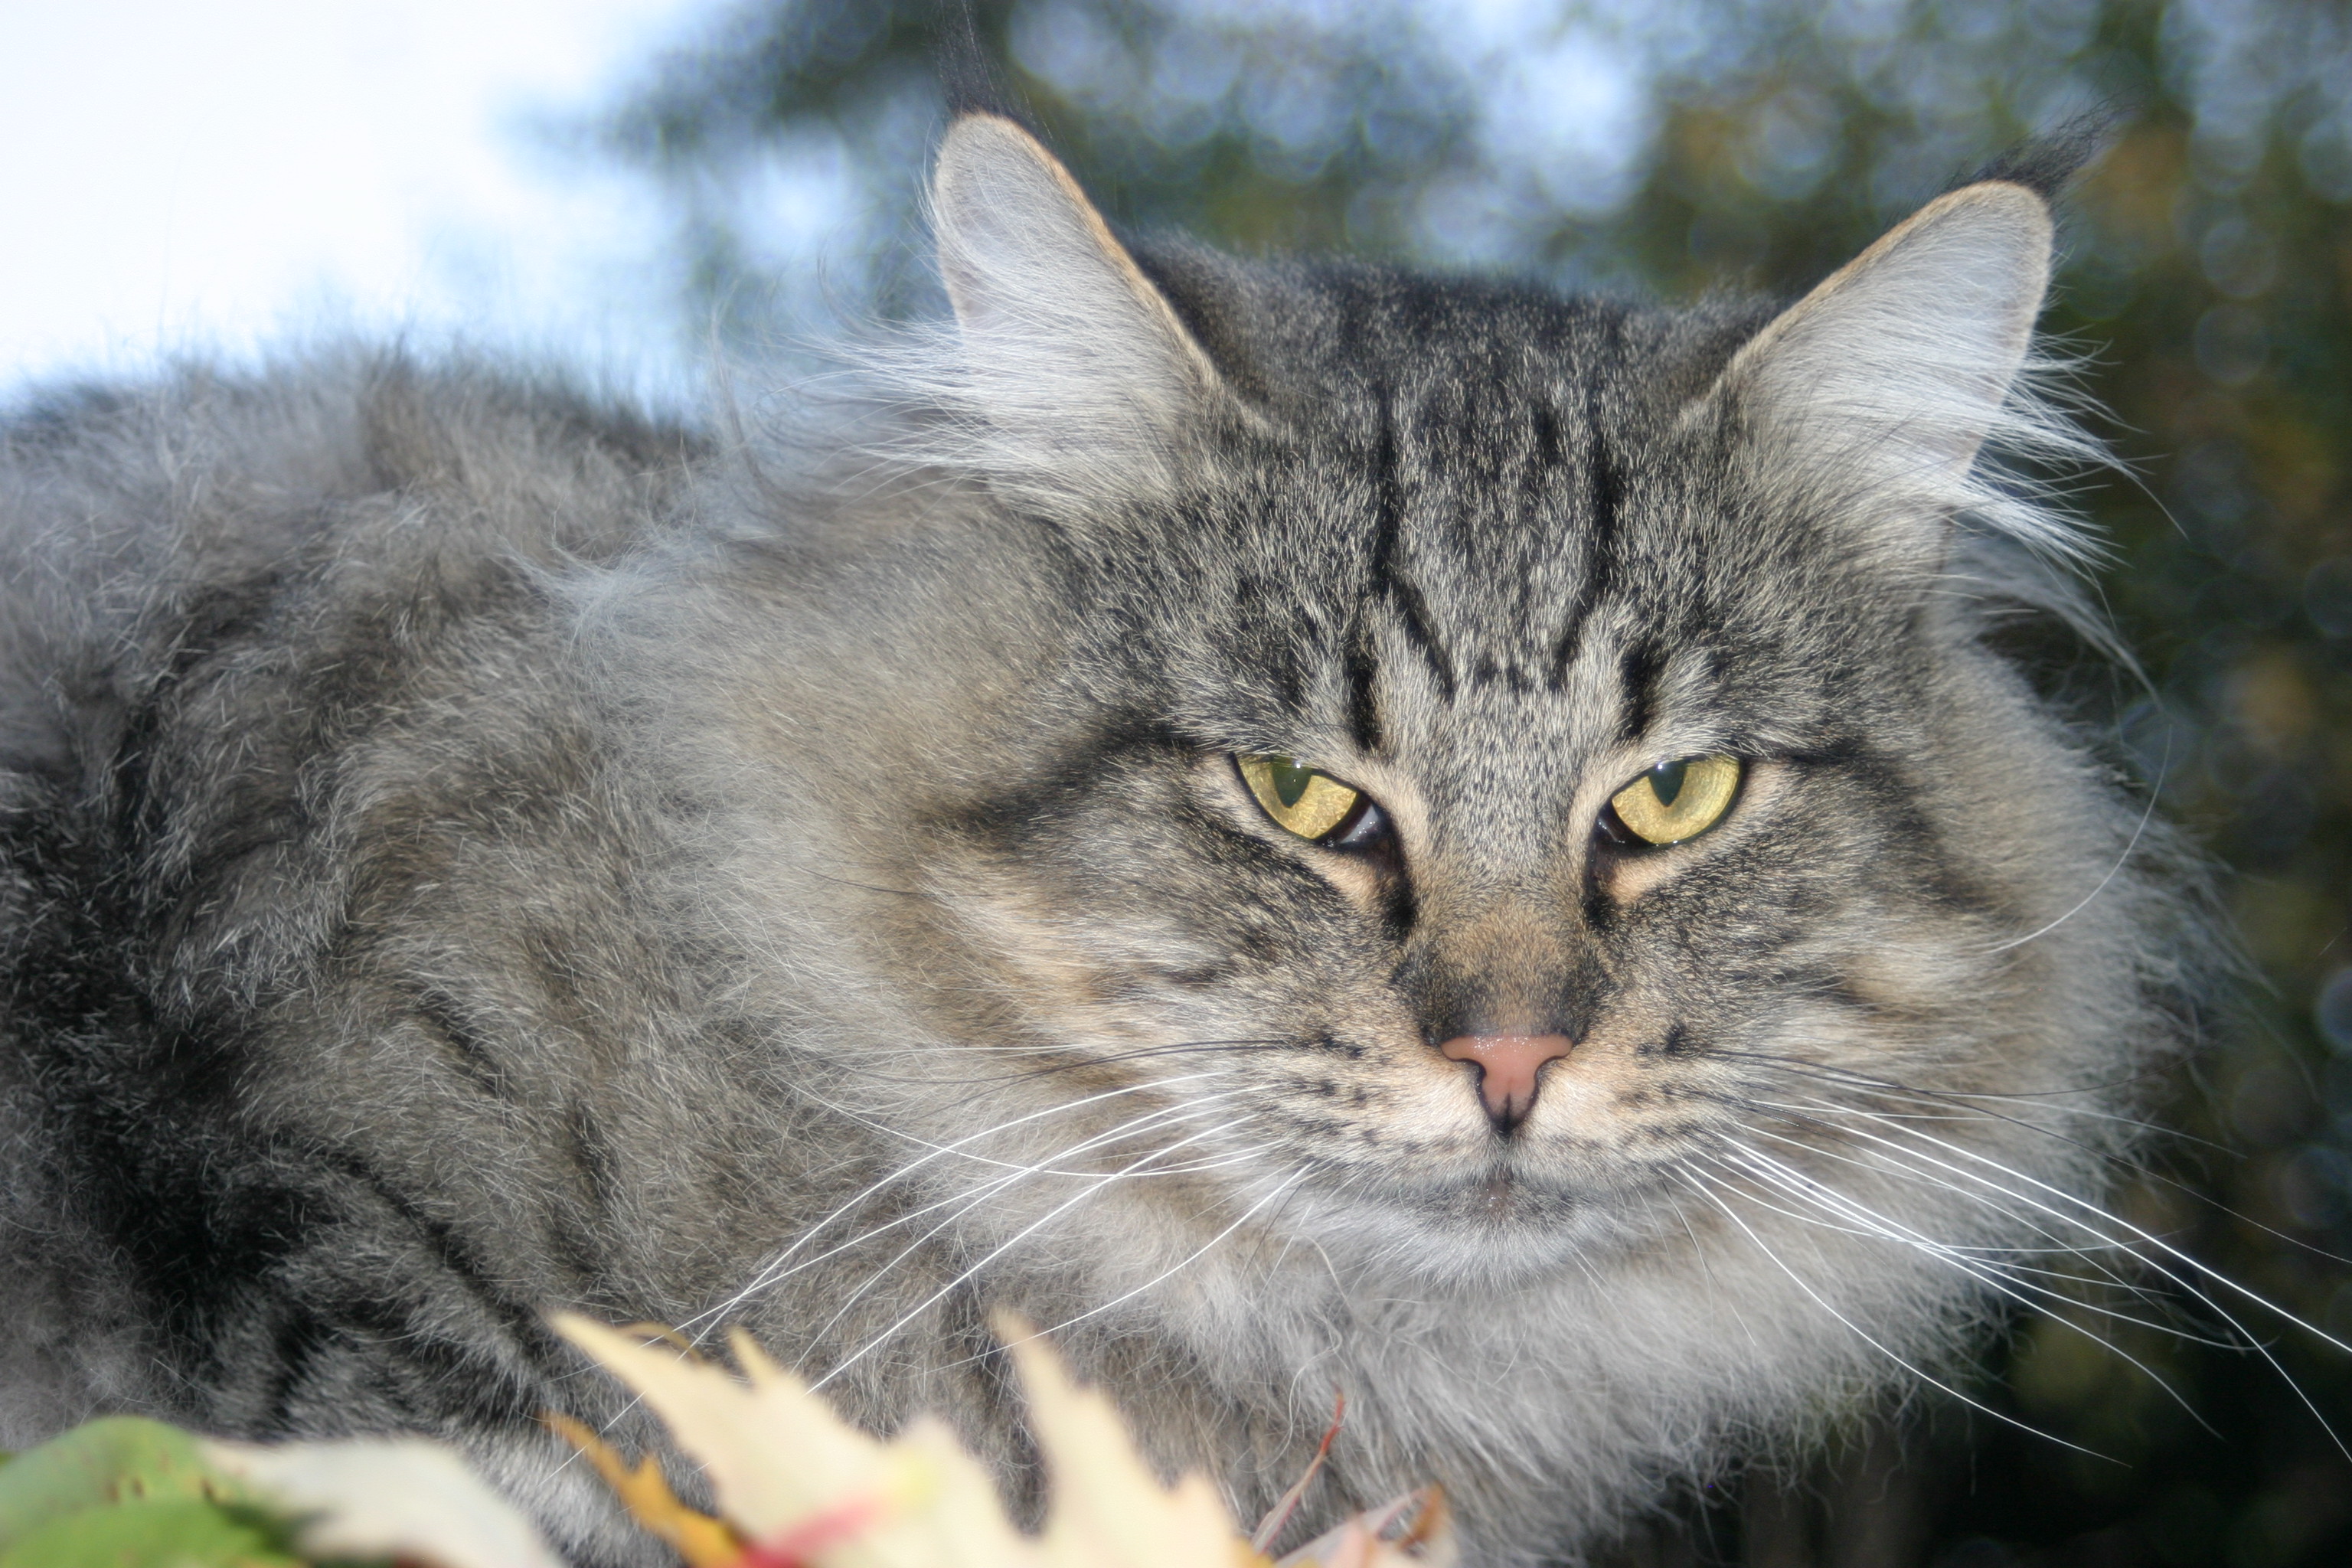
(226,178)
(219,178)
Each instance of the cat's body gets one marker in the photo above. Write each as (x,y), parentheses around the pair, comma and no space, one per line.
(468,853)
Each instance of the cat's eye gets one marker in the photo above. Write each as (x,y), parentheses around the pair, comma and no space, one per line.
(1678,800)
(1310,804)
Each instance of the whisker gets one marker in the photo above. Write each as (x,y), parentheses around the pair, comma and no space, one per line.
(964,1203)
(2139,830)
(2053,1240)
(1007,1244)
(1706,1266)
(1704,1191)
(1079,1061)
(1841,1076)
(2146,1173)
(960,1153)
(2070,1244)
(1201,1251)
(765,1277)
(774,1272)
(2001,1278)
(1967,1100)
(2190,1262)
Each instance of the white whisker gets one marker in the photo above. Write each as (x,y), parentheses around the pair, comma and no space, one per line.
(1998,1276)
(1864,1334)
(767,1273)
(2139,830)
(1000,1251)
(2188,1260)
(965,1202)
(1172,1269)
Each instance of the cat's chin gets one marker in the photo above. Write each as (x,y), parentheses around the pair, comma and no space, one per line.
(1497,1228)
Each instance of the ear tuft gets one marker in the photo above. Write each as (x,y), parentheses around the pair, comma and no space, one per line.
(2050,162)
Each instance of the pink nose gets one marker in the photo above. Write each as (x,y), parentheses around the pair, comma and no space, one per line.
(1508,1065)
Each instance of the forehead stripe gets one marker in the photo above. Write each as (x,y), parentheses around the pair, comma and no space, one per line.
(1363,705)
(1642,668)
(1604,497)
(1392,588)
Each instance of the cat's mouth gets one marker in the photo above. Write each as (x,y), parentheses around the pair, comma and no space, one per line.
(1504,1195)
(1498,1196)
(1498,1226)
(1510,1192)
(1509,1199)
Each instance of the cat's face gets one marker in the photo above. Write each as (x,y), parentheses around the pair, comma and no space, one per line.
(1491,774)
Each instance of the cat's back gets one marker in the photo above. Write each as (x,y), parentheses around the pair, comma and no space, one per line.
(245,620)
(142,529)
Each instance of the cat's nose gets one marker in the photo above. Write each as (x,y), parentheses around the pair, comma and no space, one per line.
(1507,1068)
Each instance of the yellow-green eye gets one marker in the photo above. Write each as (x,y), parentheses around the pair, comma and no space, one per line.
(1307,802)
(1675,801)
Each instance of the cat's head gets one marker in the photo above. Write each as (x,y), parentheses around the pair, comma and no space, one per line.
(1503,756)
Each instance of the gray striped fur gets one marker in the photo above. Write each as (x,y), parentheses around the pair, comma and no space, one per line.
(470,851)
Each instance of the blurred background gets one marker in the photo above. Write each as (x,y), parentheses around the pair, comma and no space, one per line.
(627,185)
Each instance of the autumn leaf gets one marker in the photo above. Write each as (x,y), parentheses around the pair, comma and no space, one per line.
(401,1498)
(1109,1511)
(778,1459)
(702,1540)
(804,1487)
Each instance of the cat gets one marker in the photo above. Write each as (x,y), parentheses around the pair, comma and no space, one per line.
(1308,829)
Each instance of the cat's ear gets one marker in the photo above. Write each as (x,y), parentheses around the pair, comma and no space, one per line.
(1064,337)
(1884,382)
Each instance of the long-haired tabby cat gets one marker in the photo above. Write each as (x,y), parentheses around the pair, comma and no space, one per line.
(1304,828)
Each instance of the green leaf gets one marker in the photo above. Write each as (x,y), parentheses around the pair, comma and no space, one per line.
(116,1458)
(152,1533)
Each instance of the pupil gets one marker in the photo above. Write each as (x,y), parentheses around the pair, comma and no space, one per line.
(1667,781)
(1290,780)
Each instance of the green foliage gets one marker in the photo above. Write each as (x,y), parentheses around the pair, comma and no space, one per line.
(100,1463)
(126,1493)
(152,1536)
